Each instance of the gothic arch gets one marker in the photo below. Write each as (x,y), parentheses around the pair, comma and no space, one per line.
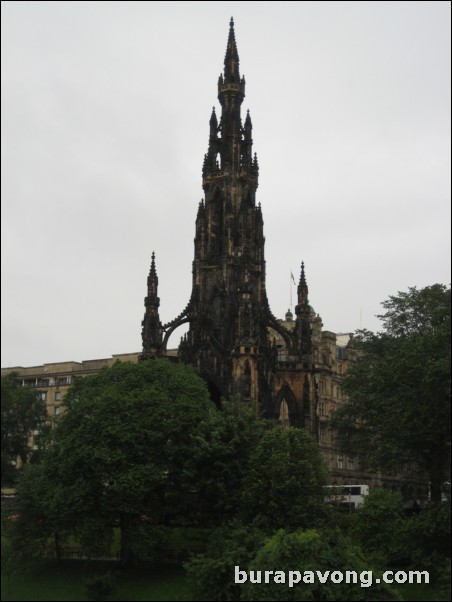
(286,394)
(172,327)
(286,335)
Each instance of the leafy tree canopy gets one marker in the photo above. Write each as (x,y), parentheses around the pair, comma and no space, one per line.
(285,482)
(309,552)
(120,452)
(225,443)
(398,413)
(211,575)
(387,542)
(23,411)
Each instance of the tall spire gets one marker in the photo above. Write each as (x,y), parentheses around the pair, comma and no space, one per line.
(152,327)
(230,143)
(228,307)
(231,60)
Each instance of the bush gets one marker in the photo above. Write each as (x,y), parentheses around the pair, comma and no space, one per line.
(379,527)
(211,576)
(429,537)
(284,487)
(311,551)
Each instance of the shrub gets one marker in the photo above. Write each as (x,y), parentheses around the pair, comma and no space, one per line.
(211,576)
(308,552)
(379,527)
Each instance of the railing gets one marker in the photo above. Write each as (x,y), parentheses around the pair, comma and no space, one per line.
(78,553)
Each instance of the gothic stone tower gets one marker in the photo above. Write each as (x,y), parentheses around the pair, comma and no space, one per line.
(232,337)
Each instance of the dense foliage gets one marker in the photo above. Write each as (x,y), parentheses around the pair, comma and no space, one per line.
(211,575)
(23,411)
(119,454)
(285,483)
(398,413)
(309,552)
(380,528)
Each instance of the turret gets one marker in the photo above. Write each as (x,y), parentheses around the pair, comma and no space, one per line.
(302,289)
(231,59)
(152,327)
(302,311)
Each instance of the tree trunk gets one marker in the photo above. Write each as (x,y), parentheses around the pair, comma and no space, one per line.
(435,488)
(127,556)
(57,545)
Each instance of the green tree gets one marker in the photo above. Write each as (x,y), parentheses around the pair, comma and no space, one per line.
(285,482)
(429,542)
(306,553)
(380,528)
(225,443)
(119,453)
(37,518)
(23,411)
(398,413)
(211,575)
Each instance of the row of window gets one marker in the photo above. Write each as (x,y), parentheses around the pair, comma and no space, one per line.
(46,382)
(43,395)
(342,463)
(335,390)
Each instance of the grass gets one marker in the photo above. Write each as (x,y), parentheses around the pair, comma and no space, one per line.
(420,593)
(49,580)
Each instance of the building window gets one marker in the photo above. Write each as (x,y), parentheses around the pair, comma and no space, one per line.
(340,463)
(57,410)
(43,395)
(57,396)
(351,464)
(62,380)
(322,434)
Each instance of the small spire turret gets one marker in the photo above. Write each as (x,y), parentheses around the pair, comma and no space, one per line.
(231,59)
(213,124)
(248,124)
(152,327)
(302,288)
(256,164)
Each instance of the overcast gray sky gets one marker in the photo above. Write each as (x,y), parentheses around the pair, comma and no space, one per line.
(105,111)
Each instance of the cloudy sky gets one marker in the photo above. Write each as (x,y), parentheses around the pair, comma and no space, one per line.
(105,111)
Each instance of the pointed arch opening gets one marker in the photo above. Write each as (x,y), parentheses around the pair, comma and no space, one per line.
(285,408)
(284,418)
